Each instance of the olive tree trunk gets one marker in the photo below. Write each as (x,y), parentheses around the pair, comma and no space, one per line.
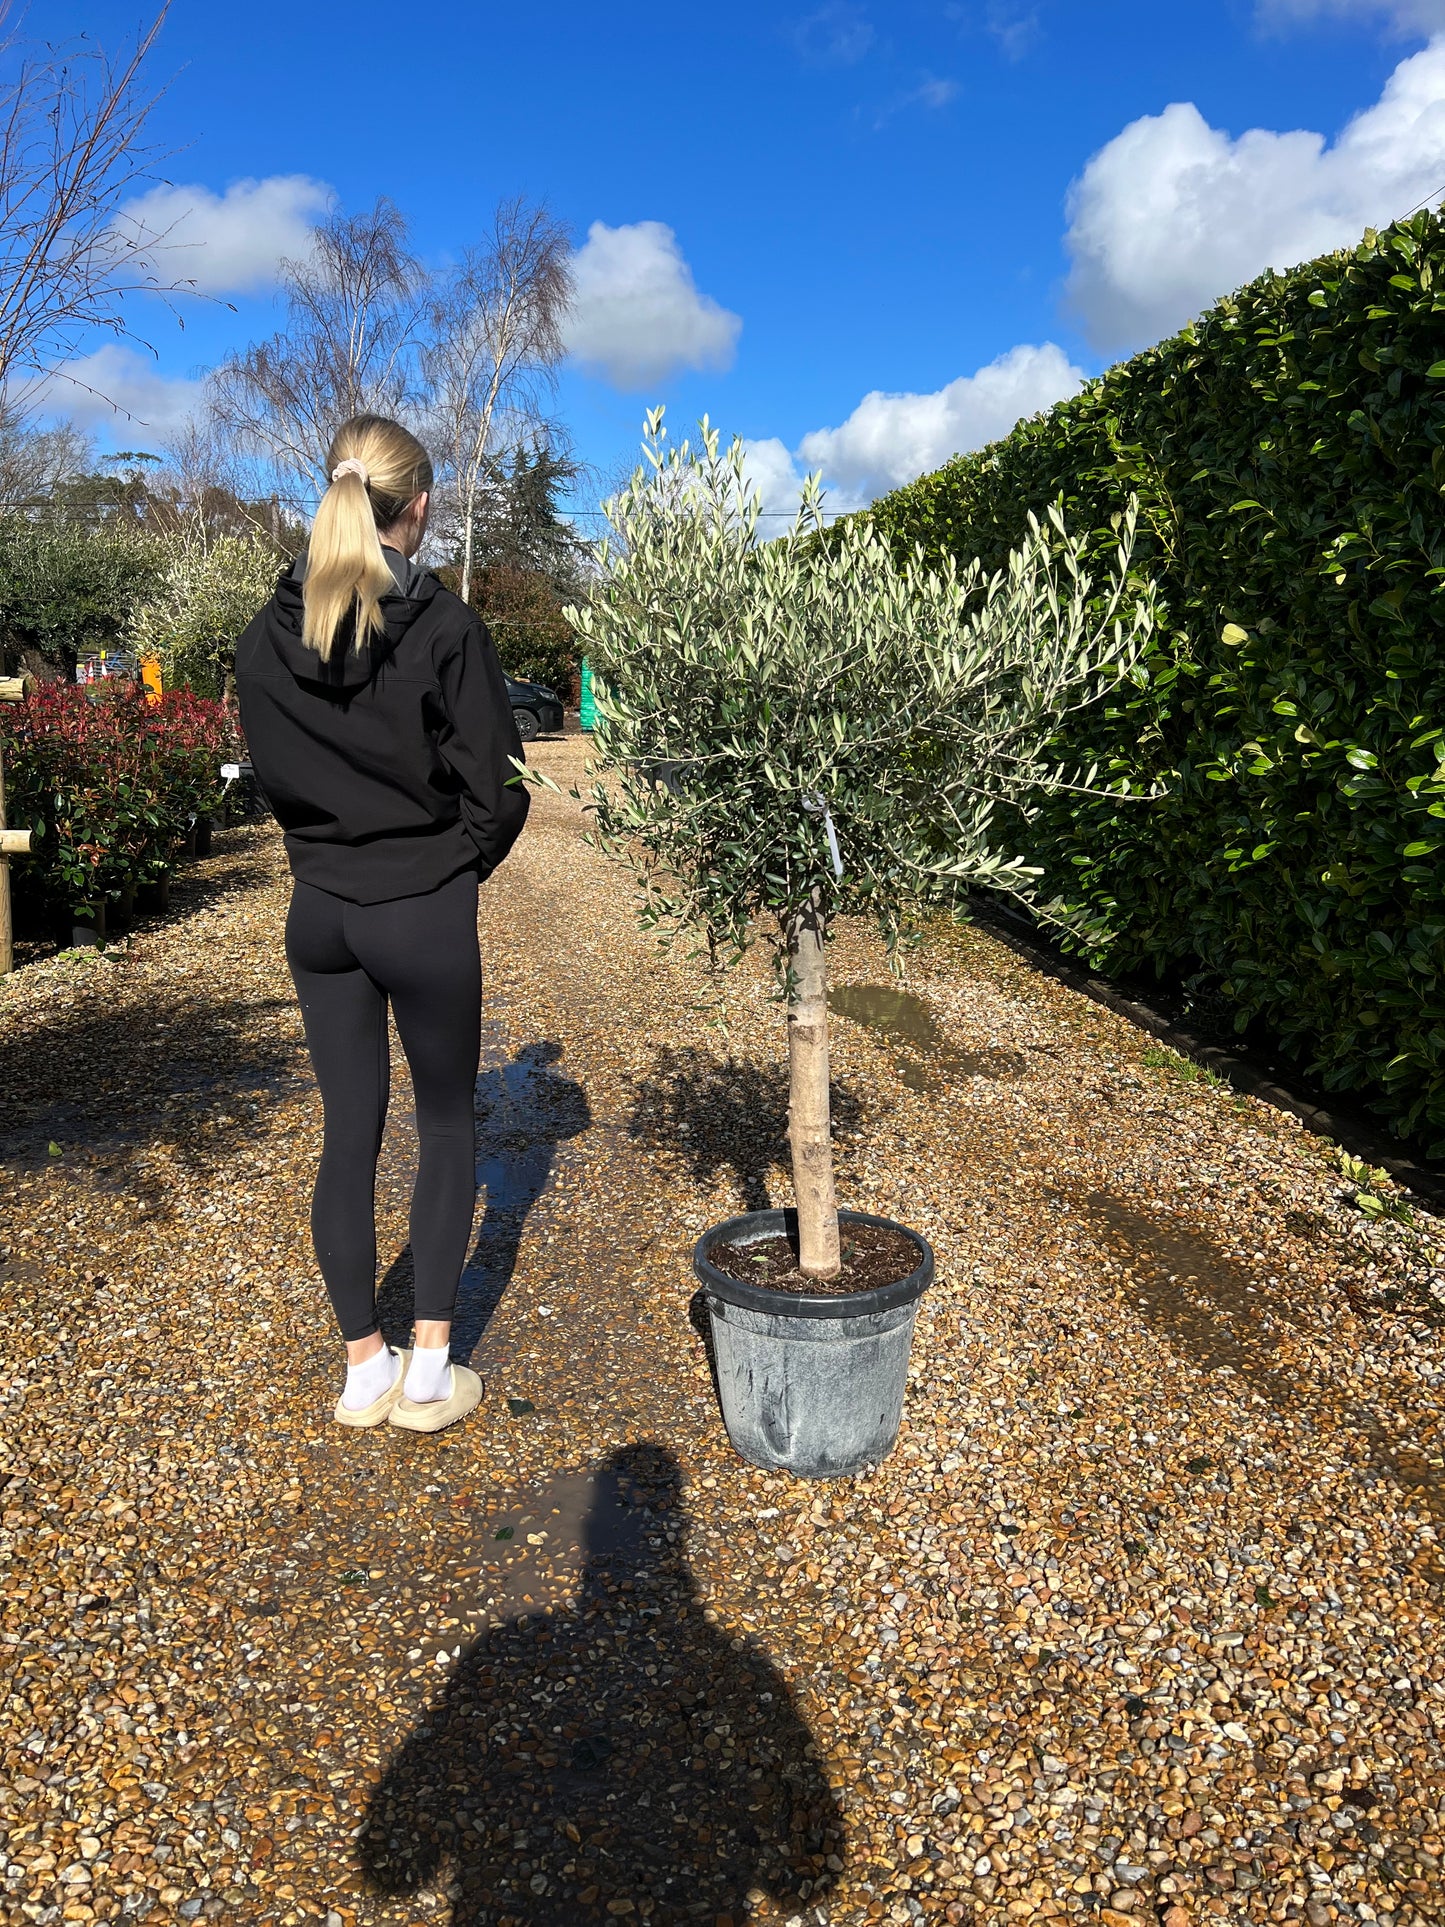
(809,1124)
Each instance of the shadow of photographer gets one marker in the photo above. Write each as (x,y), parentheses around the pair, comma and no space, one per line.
(616,1747)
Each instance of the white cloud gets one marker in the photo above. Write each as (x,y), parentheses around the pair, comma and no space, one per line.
(935,93)
(637,314)
(1015,28)
(1174,213)
(119,390)
(932,94)
(1405,16)
(837,35)
(890,439)
(773,471)
(229,243)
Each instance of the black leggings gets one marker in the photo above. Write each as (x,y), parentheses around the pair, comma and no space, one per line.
(347,960)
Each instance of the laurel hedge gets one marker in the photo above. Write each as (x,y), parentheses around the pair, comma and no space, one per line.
(1288,452)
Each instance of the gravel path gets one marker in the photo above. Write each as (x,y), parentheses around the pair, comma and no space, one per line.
(1141,1620)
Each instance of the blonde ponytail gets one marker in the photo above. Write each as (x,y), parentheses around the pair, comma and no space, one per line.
(379,469)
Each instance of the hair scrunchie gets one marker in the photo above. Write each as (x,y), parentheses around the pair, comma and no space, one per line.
(352,467)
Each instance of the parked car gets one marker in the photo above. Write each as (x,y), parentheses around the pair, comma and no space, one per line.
(536,709)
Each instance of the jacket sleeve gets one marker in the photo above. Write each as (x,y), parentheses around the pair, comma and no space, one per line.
(476,741)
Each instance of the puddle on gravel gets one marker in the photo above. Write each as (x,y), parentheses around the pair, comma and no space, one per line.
(498,1558)
(527,1109)
(529,1557)
(1203,1305)
(1198,1300)
(926,1060)
(1194,1294)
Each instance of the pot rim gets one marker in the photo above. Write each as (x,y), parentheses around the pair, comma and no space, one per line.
(752,1225)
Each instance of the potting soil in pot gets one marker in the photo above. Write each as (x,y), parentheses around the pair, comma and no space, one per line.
(872,1255)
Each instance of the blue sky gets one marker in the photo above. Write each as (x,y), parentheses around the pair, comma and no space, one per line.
(957,209)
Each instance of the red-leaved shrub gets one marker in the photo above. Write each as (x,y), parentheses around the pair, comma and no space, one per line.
(107,780)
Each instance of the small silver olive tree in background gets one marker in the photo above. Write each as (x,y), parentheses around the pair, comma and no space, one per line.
(795,729)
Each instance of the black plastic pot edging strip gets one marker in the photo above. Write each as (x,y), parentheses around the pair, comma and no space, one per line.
(753,1225)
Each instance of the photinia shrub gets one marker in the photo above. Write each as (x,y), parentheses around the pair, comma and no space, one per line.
(524,613)
(107,782)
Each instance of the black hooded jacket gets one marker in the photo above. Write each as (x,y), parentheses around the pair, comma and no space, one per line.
(387,767)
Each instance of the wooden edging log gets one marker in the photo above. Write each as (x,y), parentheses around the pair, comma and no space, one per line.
(12,842)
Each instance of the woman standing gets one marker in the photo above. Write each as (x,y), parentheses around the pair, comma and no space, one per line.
(380,730)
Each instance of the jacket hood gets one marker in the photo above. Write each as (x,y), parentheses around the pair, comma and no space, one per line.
(349,668)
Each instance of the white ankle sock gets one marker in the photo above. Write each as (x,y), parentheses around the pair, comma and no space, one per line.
(366,1382)
(429,1377)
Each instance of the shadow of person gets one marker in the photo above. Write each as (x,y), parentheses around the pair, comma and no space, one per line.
(617,1748)
(524,1110)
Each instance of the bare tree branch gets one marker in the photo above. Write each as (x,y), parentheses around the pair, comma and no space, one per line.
(34,462)
(494,349)
(354,308)
(71,126)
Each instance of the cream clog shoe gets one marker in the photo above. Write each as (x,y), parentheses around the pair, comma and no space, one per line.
(380,1409)
(436,1413)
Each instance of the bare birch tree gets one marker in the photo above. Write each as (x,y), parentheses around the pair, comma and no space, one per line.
(354,310)
(495,346)
(34,462)
(72,120)
(199,460)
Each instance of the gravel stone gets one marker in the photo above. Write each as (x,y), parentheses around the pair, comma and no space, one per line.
(1140,1622)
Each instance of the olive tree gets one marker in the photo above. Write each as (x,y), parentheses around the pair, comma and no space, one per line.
(792,730)
(211,586)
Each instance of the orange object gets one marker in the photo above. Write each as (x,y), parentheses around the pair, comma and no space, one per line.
(150,675)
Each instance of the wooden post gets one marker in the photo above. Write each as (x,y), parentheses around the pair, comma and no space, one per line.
(12,842)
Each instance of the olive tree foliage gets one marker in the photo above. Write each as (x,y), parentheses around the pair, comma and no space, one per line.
(211,585)
(761,703)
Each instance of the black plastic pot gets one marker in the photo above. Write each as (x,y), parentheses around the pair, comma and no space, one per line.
(155,896)
(203,835)
(87,927)
(188,842)
(120,908)
(810,1384)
